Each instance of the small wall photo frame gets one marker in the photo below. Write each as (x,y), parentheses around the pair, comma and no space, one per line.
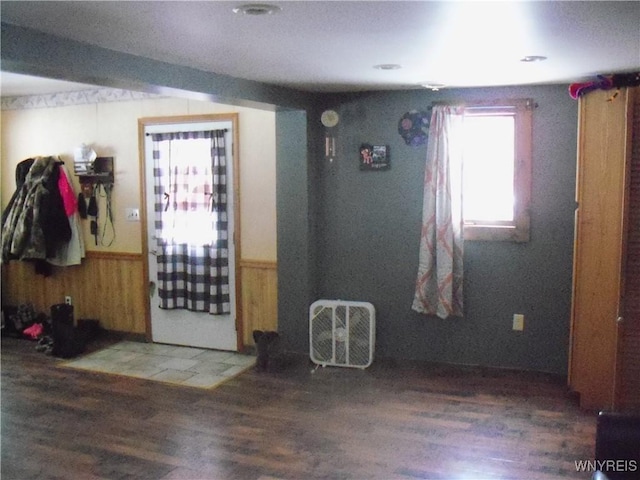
(374,157)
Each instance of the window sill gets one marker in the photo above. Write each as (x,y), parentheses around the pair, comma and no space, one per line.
(502,233)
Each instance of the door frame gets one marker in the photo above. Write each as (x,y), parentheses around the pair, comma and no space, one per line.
(186,119)
(621,321)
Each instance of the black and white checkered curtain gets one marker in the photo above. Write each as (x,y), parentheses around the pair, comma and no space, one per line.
(191,221)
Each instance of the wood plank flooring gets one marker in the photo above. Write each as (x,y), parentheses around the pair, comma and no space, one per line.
(391,421)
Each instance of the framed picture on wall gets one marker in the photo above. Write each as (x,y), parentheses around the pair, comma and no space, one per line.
(374,157)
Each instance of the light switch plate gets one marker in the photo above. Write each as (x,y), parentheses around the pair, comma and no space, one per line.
(132,214)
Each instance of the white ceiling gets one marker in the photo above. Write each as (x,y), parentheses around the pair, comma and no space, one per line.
(333,45)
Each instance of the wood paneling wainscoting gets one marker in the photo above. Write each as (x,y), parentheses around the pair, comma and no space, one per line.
(107,286)
(110,287)
(259,297)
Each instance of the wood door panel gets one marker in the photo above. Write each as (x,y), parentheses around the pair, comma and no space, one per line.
(628,392)
(598,247)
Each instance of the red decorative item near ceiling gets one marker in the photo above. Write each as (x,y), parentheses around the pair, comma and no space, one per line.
(605,82)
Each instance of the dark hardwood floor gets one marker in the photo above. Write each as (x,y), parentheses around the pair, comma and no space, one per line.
(391,421)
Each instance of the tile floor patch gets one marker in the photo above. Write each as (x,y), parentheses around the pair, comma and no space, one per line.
(195,367)
(178,364)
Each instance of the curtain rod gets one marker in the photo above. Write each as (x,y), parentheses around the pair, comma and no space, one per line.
(215,130)
(527,102)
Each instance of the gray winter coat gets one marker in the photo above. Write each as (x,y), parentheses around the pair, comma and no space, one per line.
(35,223)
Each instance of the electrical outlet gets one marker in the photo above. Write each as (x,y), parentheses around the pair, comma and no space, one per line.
(67,299)
(132,214)
(518,322)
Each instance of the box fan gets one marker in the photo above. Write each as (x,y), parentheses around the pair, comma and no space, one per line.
(342,333)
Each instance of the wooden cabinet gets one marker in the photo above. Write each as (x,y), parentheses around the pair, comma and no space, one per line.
(628,371)
(605,332)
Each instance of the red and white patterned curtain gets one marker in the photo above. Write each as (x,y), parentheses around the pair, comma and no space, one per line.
(439,283)
(191,221)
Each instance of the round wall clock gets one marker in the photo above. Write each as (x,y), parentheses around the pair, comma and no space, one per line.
(329,118)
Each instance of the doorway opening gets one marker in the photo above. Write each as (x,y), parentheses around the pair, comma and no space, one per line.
(191,211)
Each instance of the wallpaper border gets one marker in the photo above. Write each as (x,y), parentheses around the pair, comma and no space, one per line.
(79,97)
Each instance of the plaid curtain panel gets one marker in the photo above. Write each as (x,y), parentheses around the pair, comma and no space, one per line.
(191,222)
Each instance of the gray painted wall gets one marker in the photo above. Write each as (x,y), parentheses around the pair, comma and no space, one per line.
(296,256)
(369,227)
(354,235)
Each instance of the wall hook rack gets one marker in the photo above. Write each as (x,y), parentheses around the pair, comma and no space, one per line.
(98,172)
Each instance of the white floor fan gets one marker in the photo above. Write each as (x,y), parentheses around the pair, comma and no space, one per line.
(342,333)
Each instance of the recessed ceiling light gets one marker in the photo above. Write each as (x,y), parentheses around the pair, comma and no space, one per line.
(433,86)
(387,66)
(533,58)
(256,9)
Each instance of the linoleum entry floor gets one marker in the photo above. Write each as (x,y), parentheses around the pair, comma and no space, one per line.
(194,367)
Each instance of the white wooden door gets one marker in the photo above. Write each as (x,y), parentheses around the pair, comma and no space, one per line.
(178,326)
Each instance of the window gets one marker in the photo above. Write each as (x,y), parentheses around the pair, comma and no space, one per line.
(185,170)
(496,179)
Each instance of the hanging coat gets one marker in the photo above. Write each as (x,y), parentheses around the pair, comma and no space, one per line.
(72,252)
(22,169)
(36,225)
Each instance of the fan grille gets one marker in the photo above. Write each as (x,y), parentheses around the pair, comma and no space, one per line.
(342,334)
(359,334)
(322,334)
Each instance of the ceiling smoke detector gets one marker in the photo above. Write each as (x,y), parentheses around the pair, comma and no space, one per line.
(434,87)
(256,9)
(533,58)
(387,66)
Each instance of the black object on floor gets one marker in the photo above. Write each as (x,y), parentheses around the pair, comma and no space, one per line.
(618,445)
(66,342)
